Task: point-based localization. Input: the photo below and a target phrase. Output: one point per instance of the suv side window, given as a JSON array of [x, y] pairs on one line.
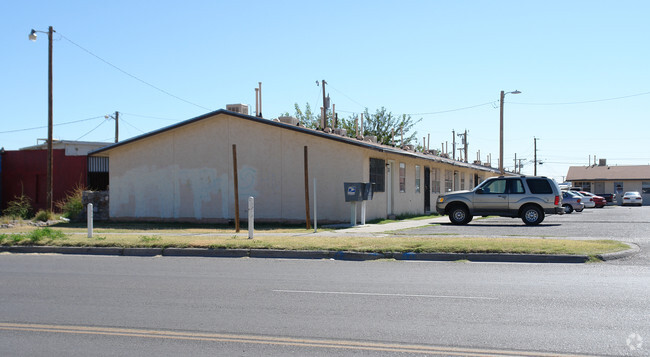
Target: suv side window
[[539, 186], [495, 186], [516, 186]]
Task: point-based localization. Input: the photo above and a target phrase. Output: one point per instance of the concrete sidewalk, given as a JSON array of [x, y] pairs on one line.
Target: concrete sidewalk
[[393, 226]]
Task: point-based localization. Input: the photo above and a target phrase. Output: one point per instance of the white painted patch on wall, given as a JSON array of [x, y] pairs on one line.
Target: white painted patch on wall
[[150, 191]]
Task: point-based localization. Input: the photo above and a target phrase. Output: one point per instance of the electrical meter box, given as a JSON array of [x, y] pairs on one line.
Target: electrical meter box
[[353, 191]]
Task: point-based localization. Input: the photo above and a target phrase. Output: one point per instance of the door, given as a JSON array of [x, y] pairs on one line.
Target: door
[[427, 190], [492, 198], [389, 187]]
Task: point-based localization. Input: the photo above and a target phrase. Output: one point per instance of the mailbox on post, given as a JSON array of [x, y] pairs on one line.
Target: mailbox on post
[[368, 189], [353, 191]]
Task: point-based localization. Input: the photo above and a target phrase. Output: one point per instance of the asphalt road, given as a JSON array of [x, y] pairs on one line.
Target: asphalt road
[[628, 224], [56, 305]]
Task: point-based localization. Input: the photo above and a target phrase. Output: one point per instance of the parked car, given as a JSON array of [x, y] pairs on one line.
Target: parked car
[[525, 197], [588, 201], [609, 197], [632, 198], [572, 202], [599, 201]]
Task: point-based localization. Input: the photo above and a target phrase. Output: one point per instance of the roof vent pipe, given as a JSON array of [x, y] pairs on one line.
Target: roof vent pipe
[[361, 127], [260, 112], [257, 102], [356, 127], [333, 116]]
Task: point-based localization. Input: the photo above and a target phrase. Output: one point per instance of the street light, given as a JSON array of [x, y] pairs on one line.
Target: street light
[[50, 165], [503, 94]]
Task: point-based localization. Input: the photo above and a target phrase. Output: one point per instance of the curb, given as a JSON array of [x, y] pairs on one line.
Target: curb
[[316, 254], [634, 249]]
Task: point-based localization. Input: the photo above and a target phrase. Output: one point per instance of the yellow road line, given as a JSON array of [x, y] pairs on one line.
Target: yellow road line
[[270, 340]]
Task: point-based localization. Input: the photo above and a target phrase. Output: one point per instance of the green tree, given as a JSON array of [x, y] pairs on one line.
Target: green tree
[[307, 117], [382, 124]]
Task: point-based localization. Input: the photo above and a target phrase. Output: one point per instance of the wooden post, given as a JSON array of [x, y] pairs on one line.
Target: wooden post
[[235, 179], [307, 218]]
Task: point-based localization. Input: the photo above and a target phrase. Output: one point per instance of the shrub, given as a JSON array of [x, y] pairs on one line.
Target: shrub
[[20, 207], [71, 206], [41, 233], [44, 216]]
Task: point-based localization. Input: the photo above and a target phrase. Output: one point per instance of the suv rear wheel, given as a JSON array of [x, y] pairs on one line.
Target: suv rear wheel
[[459, 215], [532, 215]]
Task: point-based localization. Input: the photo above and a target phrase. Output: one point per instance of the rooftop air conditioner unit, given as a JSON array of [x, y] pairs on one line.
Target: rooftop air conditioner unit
[[238, 108], [288, 120]]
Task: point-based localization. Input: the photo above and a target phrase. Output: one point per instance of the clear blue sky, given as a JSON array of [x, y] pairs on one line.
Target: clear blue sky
[[408, 56]]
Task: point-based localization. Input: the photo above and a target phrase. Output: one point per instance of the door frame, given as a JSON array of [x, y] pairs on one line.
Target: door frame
[[390, 169]]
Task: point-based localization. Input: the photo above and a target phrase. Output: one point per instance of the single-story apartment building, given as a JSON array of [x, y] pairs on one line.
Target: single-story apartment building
[[185, 172], [604, 179]]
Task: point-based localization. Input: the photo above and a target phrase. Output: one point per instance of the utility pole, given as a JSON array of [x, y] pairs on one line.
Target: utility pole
[[465, 147], [453, 145], [117, 126], [535, 158], [324, 118], [50, 121], [520, 160], [515, 170]]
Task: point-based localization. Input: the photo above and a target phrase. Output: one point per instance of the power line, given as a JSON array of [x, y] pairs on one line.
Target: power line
[[347, 96], [586, 101], [132, 76], [45, 126], [452, 110], [434, 113], [100, 124], [129, 124], [149, 117]]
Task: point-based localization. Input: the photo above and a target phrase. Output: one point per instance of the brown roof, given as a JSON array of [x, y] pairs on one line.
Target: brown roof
[[586, 173]]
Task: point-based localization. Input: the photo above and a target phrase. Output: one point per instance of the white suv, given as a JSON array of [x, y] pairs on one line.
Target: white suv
[[525, 197]]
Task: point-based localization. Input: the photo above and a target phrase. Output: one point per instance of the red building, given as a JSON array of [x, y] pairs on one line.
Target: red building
[[25, 171]]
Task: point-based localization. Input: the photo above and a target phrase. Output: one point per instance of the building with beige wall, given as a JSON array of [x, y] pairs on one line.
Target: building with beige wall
[[185, 172], [604, 179]]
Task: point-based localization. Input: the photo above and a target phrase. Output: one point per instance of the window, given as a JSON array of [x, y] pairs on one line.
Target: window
[[462, 180], [377, 174], [538, 186], [402, 177], [449, 180], [495, 186], [417, 179], [435, 180], [645, 187], [584, 185], [516, 186]]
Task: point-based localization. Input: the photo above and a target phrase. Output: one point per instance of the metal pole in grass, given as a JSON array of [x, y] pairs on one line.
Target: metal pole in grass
[[90, 220], [315, 211], [251, 216]]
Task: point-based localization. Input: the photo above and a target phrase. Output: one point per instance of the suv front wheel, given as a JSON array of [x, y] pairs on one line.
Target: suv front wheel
[[459, 215], [532, 215]]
